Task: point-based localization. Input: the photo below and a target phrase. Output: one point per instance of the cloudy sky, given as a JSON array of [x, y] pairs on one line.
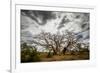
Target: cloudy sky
[[34, 21]]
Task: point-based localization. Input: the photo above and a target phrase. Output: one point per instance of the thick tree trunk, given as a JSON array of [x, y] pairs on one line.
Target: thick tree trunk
[[65, 48], [54, 52]]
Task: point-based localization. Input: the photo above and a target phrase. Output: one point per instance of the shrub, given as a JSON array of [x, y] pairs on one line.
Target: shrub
[[29, 55]]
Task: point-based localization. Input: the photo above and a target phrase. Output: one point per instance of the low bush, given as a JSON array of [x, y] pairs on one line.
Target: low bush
[[29, 56]]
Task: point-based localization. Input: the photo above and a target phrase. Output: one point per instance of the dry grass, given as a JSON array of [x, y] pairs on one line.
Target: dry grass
[[43, 57], [67, 56]]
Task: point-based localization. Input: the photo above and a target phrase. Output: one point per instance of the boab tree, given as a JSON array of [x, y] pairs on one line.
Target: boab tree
[[52, 42], [55, 42]]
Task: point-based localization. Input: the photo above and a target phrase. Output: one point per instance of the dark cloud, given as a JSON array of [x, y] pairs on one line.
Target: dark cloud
[[40, 17], [77, 16], [87, 17], [84, 25], [24, 22], [60, 26], [24, 26], [87, 37], [79, 36], [64, 21], [82, 36], [26, 36]]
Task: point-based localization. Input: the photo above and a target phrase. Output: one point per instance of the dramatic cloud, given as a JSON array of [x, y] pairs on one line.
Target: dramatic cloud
[[40, 17], [34, 21]]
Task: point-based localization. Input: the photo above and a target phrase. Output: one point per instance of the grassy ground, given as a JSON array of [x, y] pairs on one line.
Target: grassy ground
[[43, 57], [67, 56]]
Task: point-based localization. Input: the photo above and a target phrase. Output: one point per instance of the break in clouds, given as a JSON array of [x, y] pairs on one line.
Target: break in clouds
[[34, 22]]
